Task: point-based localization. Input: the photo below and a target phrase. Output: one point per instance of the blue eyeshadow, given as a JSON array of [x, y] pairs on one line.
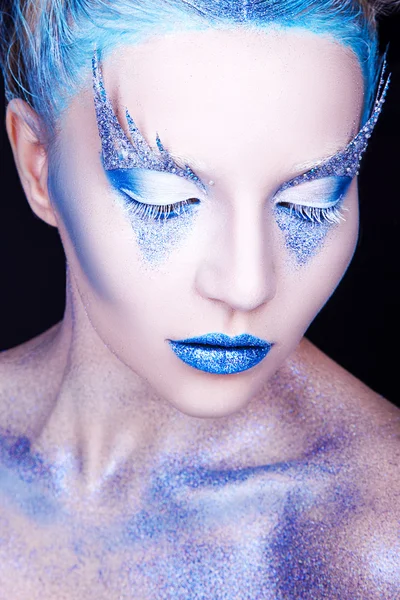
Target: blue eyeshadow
[[125, 178], [316, 192]]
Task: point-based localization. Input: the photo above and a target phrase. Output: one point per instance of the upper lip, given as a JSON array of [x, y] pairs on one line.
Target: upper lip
[[244, 340]]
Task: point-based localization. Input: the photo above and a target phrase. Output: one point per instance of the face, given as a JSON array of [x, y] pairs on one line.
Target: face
[[233, 242]]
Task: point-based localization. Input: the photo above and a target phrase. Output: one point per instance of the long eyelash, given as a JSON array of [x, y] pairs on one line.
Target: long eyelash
[[158, 212], [331, 215]]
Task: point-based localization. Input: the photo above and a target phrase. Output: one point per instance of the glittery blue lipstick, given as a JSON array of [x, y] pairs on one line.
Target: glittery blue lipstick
[[220, 354]]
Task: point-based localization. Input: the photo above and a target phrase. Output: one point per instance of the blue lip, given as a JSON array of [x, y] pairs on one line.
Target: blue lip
[[220, 354]]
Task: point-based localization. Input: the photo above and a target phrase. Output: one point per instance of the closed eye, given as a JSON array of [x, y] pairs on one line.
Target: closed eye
[[158, 212], [172, 196], [319, 201], [331, 215]]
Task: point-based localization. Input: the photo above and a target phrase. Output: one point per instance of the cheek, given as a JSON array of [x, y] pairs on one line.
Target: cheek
[[68, 202], [113, 260], [97, 241]]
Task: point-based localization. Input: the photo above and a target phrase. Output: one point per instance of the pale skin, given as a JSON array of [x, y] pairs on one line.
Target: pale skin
[[105, 402]]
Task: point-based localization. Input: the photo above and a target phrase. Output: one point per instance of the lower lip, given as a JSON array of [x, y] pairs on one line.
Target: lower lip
[[218, 359]]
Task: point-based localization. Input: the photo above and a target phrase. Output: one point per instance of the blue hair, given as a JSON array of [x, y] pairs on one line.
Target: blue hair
[[47, 45]]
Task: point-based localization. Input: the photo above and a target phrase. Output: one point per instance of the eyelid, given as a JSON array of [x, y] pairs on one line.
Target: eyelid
[[170, 200], [334, 188], [313, 204], [323, 170], [153, 187]]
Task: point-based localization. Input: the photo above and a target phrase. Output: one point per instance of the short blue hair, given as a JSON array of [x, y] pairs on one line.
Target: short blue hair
[[47, 45]]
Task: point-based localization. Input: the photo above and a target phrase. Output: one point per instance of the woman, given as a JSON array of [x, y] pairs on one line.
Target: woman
[[174, 436]]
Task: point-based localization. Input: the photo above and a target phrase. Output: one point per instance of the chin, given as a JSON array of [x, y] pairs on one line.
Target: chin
[[212, 408], [211, 396]]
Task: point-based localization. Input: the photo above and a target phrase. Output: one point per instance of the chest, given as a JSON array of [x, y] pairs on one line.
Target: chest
[[237, 545]]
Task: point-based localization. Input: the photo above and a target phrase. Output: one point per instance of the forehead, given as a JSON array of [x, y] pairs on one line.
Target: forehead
[[214, 95]]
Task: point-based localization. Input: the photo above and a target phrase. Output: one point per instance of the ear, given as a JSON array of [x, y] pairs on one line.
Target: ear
[[30, 155]]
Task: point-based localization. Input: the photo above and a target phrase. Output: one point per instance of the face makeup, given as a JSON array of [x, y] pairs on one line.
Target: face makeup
[[304, 218], [157, 226], [220, 354], [233, 272]]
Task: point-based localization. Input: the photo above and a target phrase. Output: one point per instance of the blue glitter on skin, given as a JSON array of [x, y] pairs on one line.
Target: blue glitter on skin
[[16, 453], [20, 467], [229, 533], [269, 531], [157, 239], [221, 355], [298, 551], [168, 513]]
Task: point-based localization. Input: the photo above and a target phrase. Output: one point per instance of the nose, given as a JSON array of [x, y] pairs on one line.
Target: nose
[[237, 267]]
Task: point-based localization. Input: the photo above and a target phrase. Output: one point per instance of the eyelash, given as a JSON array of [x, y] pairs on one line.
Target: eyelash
[[159, 212], [331, 215]]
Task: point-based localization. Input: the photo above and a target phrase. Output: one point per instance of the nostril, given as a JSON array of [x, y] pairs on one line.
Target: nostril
[[244, 291], [241, 272]]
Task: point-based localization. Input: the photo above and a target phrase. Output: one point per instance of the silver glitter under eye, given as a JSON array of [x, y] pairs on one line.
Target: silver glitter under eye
[[303, 239]]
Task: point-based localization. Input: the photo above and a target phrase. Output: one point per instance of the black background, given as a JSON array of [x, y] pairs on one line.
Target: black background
[[359, 325]]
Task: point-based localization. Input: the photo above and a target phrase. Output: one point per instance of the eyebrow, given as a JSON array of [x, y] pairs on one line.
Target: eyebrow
[[120, 152], [346, 162]]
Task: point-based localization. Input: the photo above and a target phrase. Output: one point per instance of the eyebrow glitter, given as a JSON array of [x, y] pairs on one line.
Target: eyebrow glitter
[[157, 239], [120, 152], [346, 163]]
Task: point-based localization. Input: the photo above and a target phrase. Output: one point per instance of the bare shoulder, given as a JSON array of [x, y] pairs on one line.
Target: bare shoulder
[[323, 376], [357, 439], [25, 381], [370, 423]]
